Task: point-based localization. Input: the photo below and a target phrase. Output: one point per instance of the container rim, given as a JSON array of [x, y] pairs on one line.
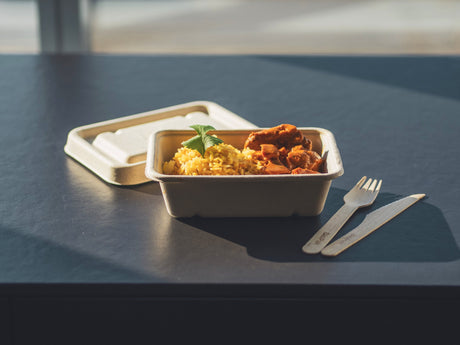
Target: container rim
[[153, 174]]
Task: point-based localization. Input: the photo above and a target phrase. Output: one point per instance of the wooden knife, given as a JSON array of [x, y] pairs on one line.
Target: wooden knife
[[371, 222]]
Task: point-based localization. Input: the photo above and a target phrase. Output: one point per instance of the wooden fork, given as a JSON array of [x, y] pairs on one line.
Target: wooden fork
[[357, 197]]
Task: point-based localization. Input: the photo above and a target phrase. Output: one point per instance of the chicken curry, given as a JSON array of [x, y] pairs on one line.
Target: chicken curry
[[284, 150]]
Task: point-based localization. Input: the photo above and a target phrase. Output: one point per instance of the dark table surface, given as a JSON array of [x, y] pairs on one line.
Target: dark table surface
[[65, 232]]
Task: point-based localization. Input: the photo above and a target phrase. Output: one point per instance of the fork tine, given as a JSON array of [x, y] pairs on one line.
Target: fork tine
[[378, 187], [372, 187], [360, 183], [368, 183]]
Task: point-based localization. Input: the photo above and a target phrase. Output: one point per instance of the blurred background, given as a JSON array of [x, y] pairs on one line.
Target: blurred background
[[230, 26]]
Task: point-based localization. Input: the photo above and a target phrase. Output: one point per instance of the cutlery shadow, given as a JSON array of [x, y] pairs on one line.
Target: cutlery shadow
[[419, 234]]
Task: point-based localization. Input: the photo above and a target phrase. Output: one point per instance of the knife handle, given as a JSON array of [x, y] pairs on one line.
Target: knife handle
[[346, 241], [324, 235]]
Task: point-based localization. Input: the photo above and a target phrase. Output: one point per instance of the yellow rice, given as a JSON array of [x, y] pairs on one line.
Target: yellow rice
[[222, 159]]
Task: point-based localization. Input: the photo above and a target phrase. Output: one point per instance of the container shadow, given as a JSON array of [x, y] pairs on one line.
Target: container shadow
[[420, 234]]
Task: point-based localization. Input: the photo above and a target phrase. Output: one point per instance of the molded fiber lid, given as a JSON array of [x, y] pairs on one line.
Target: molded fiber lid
[[116, 150]]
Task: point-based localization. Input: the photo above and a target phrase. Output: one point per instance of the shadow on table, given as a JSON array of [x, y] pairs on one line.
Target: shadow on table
[[420, 75], [28, 258], [420, 234]]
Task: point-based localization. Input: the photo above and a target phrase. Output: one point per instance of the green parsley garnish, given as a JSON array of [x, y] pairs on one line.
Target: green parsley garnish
[[202, 141]]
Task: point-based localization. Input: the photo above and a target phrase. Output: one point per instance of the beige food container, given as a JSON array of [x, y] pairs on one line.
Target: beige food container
[[242, 196]]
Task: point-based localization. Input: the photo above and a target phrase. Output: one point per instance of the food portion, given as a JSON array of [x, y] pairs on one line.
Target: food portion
[[220, 159], [279, 150], [284, 150]]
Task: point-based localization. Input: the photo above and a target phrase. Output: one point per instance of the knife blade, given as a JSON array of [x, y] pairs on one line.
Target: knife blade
[[371, 222]]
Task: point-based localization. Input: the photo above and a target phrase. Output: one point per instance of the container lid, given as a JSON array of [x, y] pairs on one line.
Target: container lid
[[116, 150]]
